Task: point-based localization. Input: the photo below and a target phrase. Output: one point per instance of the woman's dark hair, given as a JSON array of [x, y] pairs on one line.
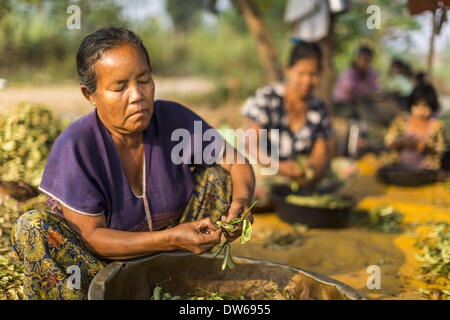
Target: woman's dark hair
[[94, 45], [361, 50], [365, 50], [424, 91], [403, 67], [305, 50]]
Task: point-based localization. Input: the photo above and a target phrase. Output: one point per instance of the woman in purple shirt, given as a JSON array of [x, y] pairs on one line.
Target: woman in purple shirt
[[359, 80], [116, 181]]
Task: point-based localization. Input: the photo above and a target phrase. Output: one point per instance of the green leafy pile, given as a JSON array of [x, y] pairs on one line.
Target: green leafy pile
[[435, 248], [281, 239], [231, 226], [318, 201], [11, 280], [384, 218], [10, 210], [11, 272], [159, 294], [27, 133], [202, 294]]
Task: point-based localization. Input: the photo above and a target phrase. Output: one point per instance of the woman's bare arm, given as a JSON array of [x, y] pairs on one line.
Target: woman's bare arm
[[114, 244], [319, 159]]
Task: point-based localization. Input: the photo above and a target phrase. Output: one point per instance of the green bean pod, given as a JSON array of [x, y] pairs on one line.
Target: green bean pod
[[157, 293], [216, 253]]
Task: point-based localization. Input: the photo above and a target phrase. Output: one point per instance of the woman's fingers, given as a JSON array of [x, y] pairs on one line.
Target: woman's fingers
[[250, 218], [198, 236], [236, 209], [209, 234], [206, 224]]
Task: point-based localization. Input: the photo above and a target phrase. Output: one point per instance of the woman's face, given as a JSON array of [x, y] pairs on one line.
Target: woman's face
[[303, 77], [125, 90], [363, 61], [421, 109]]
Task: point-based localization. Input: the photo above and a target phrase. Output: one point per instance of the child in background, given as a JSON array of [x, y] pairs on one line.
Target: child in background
[[416, 139]]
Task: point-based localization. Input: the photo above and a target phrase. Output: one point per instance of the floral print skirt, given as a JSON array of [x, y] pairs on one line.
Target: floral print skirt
[[57, 264]]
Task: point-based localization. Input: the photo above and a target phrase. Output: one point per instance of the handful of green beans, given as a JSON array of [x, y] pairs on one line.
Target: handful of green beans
[[435, 258], [158, 294], [232, 227], [303, 163]]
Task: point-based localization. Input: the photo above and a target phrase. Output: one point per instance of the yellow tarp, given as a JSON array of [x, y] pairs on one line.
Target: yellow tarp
[[345, 254]]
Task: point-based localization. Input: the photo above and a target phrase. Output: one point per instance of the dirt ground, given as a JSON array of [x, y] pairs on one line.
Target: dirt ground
[[67, 100], [343, 254]]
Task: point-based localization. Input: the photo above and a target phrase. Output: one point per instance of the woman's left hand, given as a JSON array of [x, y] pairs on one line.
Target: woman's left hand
[[237, 209]]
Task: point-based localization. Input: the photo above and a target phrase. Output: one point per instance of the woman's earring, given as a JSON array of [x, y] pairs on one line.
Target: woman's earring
[[93, 103]]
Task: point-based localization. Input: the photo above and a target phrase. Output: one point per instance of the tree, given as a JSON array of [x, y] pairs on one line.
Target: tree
[[184, 14], [439, 18], [266, 48]]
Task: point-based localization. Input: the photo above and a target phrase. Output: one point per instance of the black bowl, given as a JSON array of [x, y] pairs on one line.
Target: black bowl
[[313, 217], [407, 177]]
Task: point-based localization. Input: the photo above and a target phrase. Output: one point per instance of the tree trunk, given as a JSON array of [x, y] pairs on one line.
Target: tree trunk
[[266, 47], [431, 49], [324, 89]]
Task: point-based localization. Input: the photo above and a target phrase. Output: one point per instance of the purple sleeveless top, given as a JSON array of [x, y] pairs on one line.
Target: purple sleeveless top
[[84, 173]]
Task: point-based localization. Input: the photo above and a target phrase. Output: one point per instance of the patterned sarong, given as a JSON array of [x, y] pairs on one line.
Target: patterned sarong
[[52, 252]]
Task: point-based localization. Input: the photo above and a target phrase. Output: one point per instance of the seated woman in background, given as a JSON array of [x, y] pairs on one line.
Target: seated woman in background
[[303, 121], [354, 92], [357, 82], [416, 139]]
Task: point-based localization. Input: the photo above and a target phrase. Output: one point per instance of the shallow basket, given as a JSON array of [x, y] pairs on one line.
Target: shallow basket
[[180, 273], [408, 177], [313, 217]]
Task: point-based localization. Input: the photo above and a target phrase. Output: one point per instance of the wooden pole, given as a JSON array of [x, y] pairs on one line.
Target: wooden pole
[[325, 88], [431, 49]]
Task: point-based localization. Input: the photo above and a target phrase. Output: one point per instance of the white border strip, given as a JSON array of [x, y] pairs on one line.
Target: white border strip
[[144, 196], [77, 211]]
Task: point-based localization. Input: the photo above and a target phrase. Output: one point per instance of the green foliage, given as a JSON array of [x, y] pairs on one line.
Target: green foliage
[[36, 46], [209, 53], [11, 279], [159, 294], [351, 31], [185, 14], [436, 251], [385, 218], [26, 135], [435, 257], [11, 271], [329, 201], [34, 39]]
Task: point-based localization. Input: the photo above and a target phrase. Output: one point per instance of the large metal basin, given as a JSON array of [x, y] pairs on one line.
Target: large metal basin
[[180, 273]]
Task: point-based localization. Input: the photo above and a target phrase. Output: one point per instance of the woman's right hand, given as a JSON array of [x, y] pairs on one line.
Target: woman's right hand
[[196, 236], [291, 169]]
